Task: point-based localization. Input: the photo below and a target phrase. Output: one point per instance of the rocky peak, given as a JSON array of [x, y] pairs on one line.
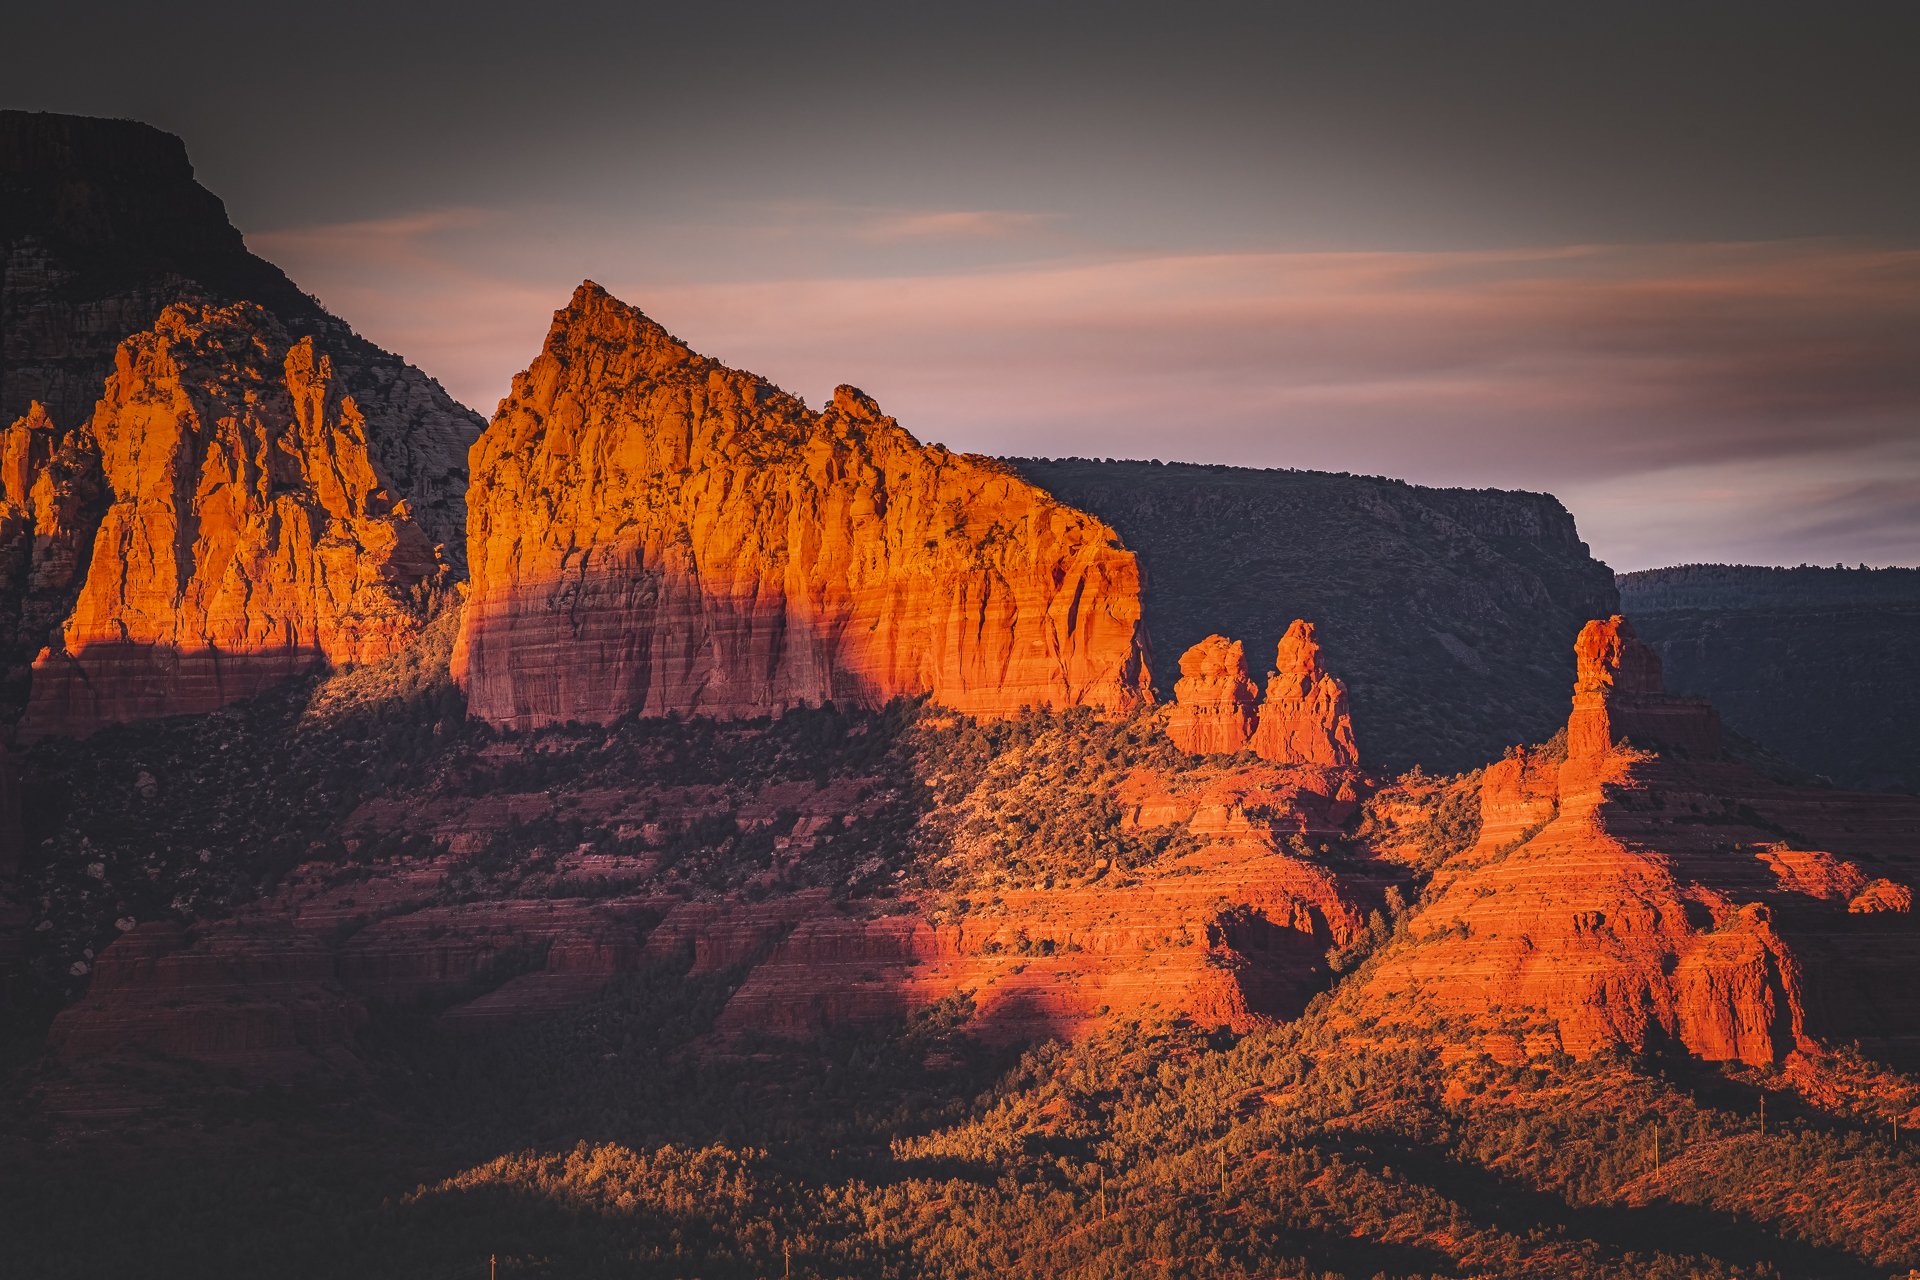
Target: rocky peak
[[51, 500], [1619, 694], [1609, 656], [102, 227], [250, 534], [1216, 704], [651, 530], [1302, 719]]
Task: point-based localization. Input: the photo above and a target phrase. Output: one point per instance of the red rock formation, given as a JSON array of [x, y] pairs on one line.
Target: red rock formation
[[1215, 703], [250, 535], [1618, 897], [256, 997], [651, 531], [102, 227], [1303, 719], [51, 499], [1618, 694]]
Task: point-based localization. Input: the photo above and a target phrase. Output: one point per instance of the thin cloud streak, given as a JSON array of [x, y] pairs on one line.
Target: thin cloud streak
[[1617, 376]]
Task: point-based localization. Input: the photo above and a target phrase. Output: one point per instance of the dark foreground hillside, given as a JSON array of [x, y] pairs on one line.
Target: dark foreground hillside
[[1799, 660], [1451, 610]]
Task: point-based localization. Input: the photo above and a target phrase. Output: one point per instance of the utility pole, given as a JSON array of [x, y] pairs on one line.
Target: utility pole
[[493, 1266], [786, 1257]]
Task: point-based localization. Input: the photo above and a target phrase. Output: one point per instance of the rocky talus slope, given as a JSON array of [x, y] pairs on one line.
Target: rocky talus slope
[[650, 531], [1814, 664], [1450, 608], [248, 535], [1302, 720], [1632, 889], [102, 227]]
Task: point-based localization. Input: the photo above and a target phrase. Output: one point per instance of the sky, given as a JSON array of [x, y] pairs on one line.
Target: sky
[[1660, 260]]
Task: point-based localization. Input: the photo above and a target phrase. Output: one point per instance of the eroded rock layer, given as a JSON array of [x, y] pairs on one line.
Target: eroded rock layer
[[249, 534], [1650, 899], [651, 531]]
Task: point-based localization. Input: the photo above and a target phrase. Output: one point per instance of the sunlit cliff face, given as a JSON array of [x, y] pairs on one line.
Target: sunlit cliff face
[[247, 533], [650, 531]]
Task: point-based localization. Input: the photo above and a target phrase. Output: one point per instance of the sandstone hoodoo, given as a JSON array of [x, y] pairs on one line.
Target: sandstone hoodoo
[[651, 531], [1302, 720], [1215, 703], [1638, 891], [250, 533], [1619, 694]]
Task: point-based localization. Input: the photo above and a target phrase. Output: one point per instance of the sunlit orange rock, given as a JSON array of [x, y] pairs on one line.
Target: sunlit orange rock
[[1659, 899], [52, 495], [651, 531], [1303, 719], [249, 535], [1215, 703], [1619, 694]]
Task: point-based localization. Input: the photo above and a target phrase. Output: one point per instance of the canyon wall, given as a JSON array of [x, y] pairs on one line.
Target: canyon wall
[[248, 535], [1803, 661], [650, 531]]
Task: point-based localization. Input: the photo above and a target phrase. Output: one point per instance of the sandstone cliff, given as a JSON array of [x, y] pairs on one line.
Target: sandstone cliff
[[651, 531], [250, 533], [102, 227], [1638, 892], [1302, 720]]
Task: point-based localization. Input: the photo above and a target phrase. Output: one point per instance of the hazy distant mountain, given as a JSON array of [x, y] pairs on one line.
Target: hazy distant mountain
[[1820, 665], [1450, 612]]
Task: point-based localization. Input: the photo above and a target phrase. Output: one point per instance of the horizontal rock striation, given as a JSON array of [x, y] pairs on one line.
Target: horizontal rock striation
[[1617, 896], [650, 531], [249, 535]]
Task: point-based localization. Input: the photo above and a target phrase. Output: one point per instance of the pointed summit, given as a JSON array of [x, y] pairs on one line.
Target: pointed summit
[[653, 531], [1303, 719], [1619, 693]]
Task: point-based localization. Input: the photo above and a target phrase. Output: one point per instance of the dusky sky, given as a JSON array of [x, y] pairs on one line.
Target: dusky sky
[[1661, 260]]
